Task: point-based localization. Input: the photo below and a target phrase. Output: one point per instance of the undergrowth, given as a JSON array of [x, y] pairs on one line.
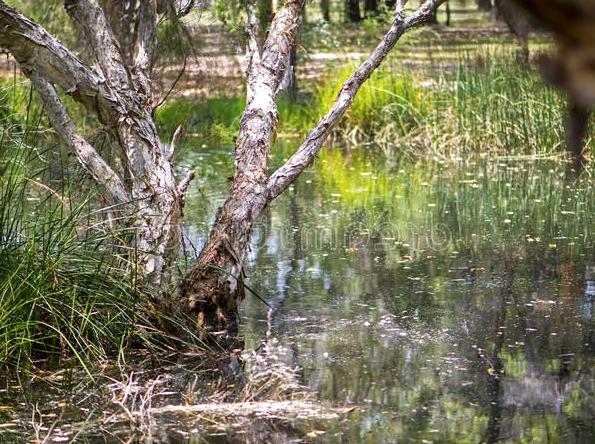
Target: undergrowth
[[64, 293], [486, 103]]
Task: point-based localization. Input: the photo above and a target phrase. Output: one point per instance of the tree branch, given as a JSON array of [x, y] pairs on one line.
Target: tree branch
[[253, 54], [89, 158], [147, 31], [96, 28], [306, 153], [280, 40], [260, 119], [38, 51]]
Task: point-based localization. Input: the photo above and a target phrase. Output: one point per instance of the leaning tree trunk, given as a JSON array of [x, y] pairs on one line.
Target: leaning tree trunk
[[213, 289]]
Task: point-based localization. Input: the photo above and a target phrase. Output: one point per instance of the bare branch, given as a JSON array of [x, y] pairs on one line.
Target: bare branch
[[400, 9], [174, 140], [306, 153], [38, 51], [173, 84], [183, 187], [89, 158], [96, 28]]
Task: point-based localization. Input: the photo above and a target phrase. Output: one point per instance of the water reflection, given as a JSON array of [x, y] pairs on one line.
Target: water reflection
[[446, 303], [451, 302]]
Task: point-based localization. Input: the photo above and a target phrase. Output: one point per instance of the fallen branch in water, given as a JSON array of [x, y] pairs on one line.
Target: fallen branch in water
[[262, 409]]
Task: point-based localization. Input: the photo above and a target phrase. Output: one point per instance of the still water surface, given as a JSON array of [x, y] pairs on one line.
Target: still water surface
[[445, 302], [453, 302]]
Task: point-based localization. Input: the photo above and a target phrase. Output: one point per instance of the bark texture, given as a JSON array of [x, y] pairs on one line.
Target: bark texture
[[213, 289]]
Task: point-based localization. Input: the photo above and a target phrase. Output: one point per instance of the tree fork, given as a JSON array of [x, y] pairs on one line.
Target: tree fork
[[213, 289]]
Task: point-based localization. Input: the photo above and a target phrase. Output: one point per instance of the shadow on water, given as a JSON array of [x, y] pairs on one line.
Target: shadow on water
[[441, 302]]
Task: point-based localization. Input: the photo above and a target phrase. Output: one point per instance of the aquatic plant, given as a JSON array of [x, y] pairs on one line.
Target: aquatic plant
[[62, 291], [481, 102]]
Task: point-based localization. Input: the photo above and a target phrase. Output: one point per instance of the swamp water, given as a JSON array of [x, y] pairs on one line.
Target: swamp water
[[437, 302]]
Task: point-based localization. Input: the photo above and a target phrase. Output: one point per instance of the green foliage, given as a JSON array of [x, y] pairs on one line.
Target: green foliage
[[217, 118], [60, 295], [385, 99], [51, 15], [481, 105], [172, 41], [231, 13], [485, 105]]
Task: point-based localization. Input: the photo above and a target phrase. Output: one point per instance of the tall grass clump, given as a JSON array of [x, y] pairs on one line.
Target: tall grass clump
[[387, 102], [63, 292], [496, 104], [483, 104]]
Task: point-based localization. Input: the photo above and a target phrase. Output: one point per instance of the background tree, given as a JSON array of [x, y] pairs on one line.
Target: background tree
[[352, 11], [325, 10], [484, 5], [370, 8]]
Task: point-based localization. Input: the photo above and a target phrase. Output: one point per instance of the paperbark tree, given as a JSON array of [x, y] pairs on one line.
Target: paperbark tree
[[144, 192], [118, 91]]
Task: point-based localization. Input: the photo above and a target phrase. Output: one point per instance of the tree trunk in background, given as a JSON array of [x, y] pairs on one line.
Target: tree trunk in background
[[293, 85], [391, 4], [517, 21], [484, 5], [265, 15], [352, 11], [325, 9], [434, 19], [371, 8]]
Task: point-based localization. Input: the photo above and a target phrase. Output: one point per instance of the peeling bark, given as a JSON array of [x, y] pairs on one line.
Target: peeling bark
[[213, 287], [120, 94]]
